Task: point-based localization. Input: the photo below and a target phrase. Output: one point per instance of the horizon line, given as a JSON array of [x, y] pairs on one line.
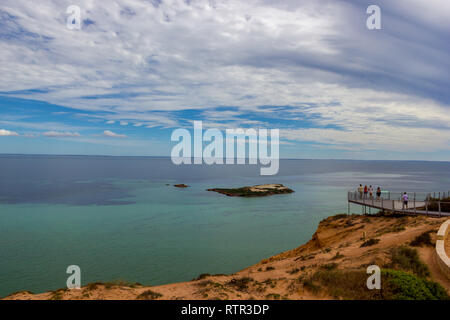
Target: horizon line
[[158, 156]]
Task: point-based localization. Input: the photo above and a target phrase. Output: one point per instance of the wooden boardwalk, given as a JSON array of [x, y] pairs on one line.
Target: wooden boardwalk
[[419, 204]]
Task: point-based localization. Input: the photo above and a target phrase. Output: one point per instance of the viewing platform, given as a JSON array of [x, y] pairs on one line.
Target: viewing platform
[[432, 204]]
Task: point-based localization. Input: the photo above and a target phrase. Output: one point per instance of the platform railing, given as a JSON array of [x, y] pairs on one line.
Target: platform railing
[[422, 202]]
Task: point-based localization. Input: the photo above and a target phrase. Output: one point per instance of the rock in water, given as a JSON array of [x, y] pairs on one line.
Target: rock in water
[[261, 190]]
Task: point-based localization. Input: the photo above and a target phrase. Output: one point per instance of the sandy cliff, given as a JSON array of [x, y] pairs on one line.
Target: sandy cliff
[[331, 265]]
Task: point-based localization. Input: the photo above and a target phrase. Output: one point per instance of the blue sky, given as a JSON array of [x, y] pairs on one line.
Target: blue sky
[[137, 70]]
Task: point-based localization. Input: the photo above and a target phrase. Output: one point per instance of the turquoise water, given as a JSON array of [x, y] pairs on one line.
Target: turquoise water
[[152, 233]]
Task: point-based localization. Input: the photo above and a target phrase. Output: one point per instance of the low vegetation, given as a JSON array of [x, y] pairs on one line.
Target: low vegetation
[[149, 295], [422, 240], [57, 294], [273, 296], [329, 266], [340, 284], [240, 284], [369, 243], [395, 285], [400, 285], [407, 259], [293, 271]]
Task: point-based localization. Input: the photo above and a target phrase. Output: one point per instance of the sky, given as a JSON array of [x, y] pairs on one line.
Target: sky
[[137, 70]]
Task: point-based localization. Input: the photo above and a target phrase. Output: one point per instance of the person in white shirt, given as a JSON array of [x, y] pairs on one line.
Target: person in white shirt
[[405, 199]]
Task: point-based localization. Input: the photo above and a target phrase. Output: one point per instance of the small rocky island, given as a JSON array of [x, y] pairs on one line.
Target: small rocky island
[[261, 190], [181, 185]]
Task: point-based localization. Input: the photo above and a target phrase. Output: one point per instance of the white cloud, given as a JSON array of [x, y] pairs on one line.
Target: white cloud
[[4, 133], [113, 135], [315, 56], [42, 126], [59, 134]]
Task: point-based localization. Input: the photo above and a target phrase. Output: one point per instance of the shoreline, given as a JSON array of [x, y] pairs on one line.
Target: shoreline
[[336, 249]]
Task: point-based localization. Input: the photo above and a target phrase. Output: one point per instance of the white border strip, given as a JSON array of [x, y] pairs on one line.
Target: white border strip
[[442, 259]]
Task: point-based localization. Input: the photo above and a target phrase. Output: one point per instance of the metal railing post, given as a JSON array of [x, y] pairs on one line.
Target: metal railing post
[[439, 204], [415, 212]]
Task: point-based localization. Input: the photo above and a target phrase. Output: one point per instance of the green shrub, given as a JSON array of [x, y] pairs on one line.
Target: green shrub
[[274, 296], [18, 292], [240, 284], [399, 285], [309, 285], [395, 285], [293, 271], [369, 243], [422, 240], [91, 286], [341, 284], [58, 294], [329, 266], [149, 295], [407, 259]]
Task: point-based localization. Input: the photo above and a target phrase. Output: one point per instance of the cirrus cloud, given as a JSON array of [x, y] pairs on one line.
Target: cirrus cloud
[[59, 134]]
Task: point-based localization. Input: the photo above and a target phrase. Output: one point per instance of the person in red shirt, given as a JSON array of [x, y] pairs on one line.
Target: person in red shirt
[[365, 191]]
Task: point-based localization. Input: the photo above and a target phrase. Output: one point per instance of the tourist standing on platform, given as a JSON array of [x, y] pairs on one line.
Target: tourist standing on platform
[[378, 193], [360, 190], [371, 192], [365, 191], [405, 199]]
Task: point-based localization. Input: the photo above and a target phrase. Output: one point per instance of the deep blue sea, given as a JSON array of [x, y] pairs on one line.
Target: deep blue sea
[[120, 218]]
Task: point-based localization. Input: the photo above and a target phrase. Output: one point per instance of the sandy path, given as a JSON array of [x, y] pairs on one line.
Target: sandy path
[[428, 256]]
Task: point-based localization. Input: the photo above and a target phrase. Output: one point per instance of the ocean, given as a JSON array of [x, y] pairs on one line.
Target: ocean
[[120, 218]]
